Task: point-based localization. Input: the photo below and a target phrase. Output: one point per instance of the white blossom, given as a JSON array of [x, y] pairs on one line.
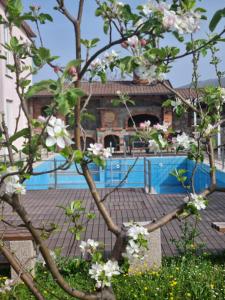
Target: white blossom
[[197, 201], [146, 72], [57, 133], [102, 272], [208, 130], [169, 19], [146, 125], [133, 41], [176, 103], [135, 230], [163, 127], [97, 64], [7, 286], [183, 140], [111, 57], [89, 247], [98, 150], [134, 248], [153, 145], [162, 142], [12, 183]]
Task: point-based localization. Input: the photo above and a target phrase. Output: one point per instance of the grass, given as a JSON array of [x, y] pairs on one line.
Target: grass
[[183, 278]]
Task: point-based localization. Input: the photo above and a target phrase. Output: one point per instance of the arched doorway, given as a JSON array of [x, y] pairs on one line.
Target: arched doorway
[[113, 141], [141, 118]]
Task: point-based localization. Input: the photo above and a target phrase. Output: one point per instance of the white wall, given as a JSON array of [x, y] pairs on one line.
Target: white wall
[[7, 83]]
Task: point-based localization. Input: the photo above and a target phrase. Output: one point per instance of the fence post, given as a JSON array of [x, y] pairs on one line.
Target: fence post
[[149, 177], [55, 173], [222, 157], [145, 175]]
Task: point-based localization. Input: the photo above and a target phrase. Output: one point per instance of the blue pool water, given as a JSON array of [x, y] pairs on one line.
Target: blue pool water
[[153, 172]]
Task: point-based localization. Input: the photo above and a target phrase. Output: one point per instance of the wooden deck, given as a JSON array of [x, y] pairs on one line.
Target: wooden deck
[[124, 205]]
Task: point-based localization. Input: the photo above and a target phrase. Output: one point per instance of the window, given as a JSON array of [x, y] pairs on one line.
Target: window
[[6, 34]]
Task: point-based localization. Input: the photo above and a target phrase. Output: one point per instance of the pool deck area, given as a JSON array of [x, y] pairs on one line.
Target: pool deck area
[[124, 205]]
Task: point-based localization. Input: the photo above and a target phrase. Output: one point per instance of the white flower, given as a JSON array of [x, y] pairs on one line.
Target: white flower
[[132, 249], [133, 41], [41, 119], [146, 125], [169, 19], [175, 104], [148, 9], [90, 246], [146, 72], [7, 285], [98, 150], [57, 133], [106, 153], [163, 127], [97, 63], [111, 57], [102, 273], [183, 140], [180, 21], [153, 145], [197, 201], [208, 130], [162, 141], [135, 230], [12, 183]]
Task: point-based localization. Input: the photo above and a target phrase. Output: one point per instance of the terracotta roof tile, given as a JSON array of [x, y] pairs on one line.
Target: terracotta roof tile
[[187, 93], [111, 87]]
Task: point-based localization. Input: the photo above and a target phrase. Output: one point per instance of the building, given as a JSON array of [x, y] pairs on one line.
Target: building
[[9, 100], [113, 125]]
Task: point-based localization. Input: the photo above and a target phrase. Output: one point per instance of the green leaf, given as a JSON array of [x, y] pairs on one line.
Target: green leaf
[[216, 19], [44, 17], [24, 83], [38, 87], [44, 53], [22, 133], [106, 27], [14, 7], [78, 156]]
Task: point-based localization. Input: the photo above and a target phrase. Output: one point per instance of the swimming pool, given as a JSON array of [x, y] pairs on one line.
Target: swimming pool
[[152, 173]]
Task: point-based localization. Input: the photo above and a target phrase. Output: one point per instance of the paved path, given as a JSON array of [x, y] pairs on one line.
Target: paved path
[[124, 205]]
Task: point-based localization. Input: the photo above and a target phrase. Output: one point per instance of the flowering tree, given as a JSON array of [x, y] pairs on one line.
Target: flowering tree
[[139, 32]]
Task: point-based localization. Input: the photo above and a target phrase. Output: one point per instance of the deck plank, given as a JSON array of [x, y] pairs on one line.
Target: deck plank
[[124, 205]]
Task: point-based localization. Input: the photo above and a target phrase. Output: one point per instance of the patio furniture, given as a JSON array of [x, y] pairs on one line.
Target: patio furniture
[[219, 226]]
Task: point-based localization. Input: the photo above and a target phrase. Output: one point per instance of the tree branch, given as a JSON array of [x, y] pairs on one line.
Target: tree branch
[[26, 277]]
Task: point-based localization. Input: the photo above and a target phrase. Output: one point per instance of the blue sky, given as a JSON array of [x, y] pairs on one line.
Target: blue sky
[[59, 37]]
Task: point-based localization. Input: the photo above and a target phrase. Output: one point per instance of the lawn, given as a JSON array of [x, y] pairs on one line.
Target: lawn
[[187, 277]]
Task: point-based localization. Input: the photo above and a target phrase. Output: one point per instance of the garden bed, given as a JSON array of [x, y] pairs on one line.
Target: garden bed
[[179, 278]]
